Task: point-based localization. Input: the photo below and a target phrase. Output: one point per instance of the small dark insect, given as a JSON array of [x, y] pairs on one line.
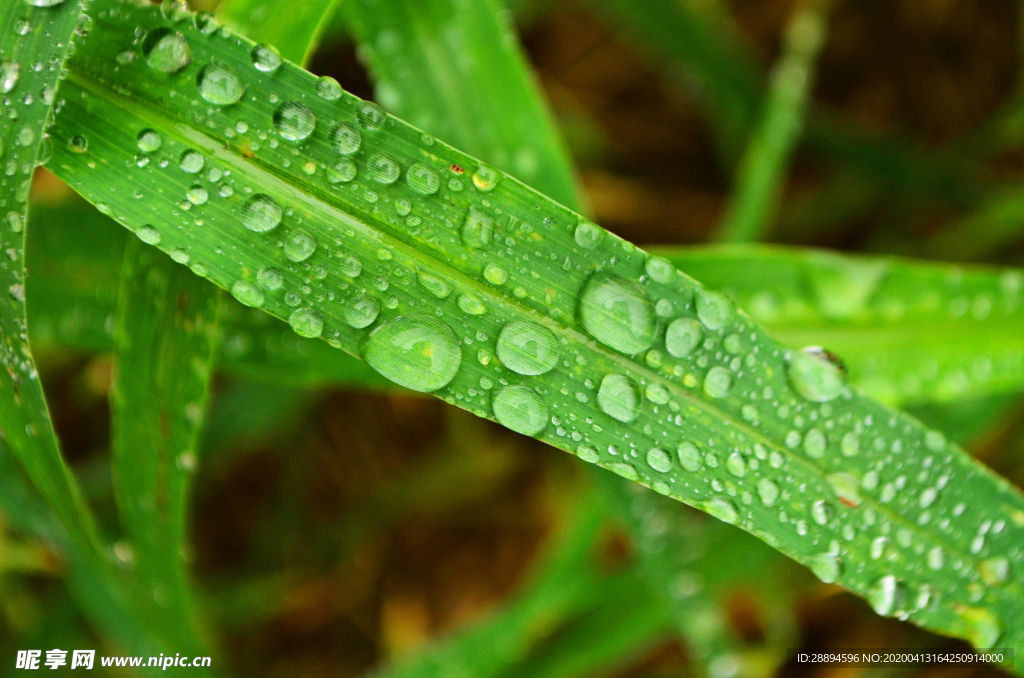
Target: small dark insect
[[458, 169], [827, 355]]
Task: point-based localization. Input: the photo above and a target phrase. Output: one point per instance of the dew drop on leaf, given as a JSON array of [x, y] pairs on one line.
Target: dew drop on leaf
[[247, 293], [265, 58], [362, 311], [270, 278], [588, 234], [723, 509], [294, 121], [191, 162], [423, 179], [659, 460], [328, 89], [383, 169], [419, 352], [343, 172], [815, 378], [149, 141], [767, 491], [149, 235], [486, 178], [477, 229], [718, 382], [527, 348], [689, 456], [9, 72], [682, 336], [78, 144], [617, 313], [306, 322], [619, 397], [826, 567], [346, 139], [166, 50], [261, 213], [521, 409], [299, 245], [660, 270], [714, 309], [371, 116]]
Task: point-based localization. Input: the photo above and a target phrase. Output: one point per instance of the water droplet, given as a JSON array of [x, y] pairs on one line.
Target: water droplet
[[247, 293], [261, 213], [736, 464], [659, 460], [682, 336], [588, 234], [527, 348], [78, 144], [383, 169], [768, 491], [928, 497], [418, 352], [270, 278], [617, 313], [936, 558], [371, 116], [657, 394], [350, 266], [587, 454], [689, 456], [219, 85], [265, 58], [994, 571], [495, 274], [306, 322], [815, 444], [850, 445], [660, 270], [619, 397], [346, 139], [714, 309], [826, 567], [477, 229], [423, 179], [471, 305], [191, 162], [434, 285], [718, 382], [149, 141], [166, 50], [362, 311], [520, 409], [149, 235], [627, 471], [299, 245], [981, 627], [197, 195], [723, 509], [294, 121], [814, 378], [887, 595], [328, 89], [846, 487], [821, 512], [9, 72], [486, 178], [343, 172]]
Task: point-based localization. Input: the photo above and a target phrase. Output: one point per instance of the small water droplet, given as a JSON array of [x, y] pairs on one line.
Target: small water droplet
[[383, 169], [247, 293], [149, 235], [659, 460], [619, 397], [723, 509], [887, 596], [718, 382], [994, 571], [826, 567], [486, 178], [261, 213], [527, 348], [767, 491], [714, 309], [477, 229], [423, 179], [78, 144], [343, 172], [192, 162], [328, 89], [521, 409], [495, 274], [270, 278], [660, 270], [362, 311], [588, 234], [815, 444], [149, 141], [439, 288], [197, 195], [306, 322], [471, 305], [689, 456], [9, 72], [736, 464], [265, 58], [371, 116], [346, 139], [299, 245], [682, 336]]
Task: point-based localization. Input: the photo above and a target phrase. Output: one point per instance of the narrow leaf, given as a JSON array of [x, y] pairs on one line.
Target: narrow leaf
[[293, 28], [477, 289]]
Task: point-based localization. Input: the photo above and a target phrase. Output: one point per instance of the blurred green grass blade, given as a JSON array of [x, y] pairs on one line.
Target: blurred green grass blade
[[164, 345], [728, 74], [764, 168], [293, 28], [996, 223], [908, 331], [31, 35], [737, 396], [435, 51]]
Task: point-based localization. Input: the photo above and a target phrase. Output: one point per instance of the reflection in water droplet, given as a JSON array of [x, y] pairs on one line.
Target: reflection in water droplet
[[247, 293], [527, 348], [149, 235], [520, 409], [383, 169], [371, 116], [887, 595], [713, 309], [306, 322], [588, 234], [659, 460], [299, 245], [265, 58], [617, 313], [682, 336], [328, 89], [270, 278], [718, 382], [346, 139], [768, 491], [362, 311], [619, 397], [294, 121], [689, 456], [723, 509], [192, 162], [149, 141], [660, 270], [486, 178], [434, 285], [219, 85], [423, 179], [418, 352], [78, 144]]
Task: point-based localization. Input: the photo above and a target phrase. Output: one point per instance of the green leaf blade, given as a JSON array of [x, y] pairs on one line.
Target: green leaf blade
[[827, 509]]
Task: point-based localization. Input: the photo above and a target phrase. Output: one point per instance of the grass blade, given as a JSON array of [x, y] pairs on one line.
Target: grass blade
[[761, 176], [446, 50], [294, 29], [756, 423], [909, 331], [165, 340]]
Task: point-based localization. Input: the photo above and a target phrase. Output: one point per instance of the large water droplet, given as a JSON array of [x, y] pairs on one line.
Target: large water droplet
[[714, 309], [328, 89], [423, 179], [166, 50], [149, 141], [617, 313], [527, 348], [520, 409], [588, 234], [265, 58], [191, 162], [346, 139], [689, 456], [261, 213], [826, 567], [383, 169], [219, 85], [619, 397], [659, 460], [768, 491], [306, 322], [362, 311], [814, 378], [371, 116], [887, 596], [299, 245], [418, 352], [247, 293], [9, 72], [294, 121], [723, 509], [718, 382], [682, 336]]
